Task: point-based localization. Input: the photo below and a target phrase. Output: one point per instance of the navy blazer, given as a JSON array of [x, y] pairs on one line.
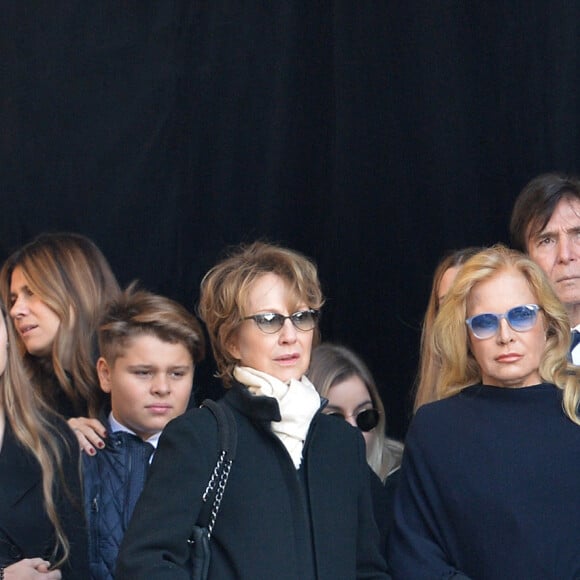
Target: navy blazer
[[25, 530]]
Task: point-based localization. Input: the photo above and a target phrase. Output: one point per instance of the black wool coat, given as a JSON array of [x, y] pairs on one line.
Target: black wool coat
[[25, 530], [275, 521]]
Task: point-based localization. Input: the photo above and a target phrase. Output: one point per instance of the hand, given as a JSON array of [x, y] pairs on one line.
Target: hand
[[31, 569], [90, 433]]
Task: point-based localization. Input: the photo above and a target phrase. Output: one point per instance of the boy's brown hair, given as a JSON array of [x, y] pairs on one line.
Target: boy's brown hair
[[136, 312]]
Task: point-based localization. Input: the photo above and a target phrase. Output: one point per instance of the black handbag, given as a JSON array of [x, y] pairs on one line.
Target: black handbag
[[211, 500]]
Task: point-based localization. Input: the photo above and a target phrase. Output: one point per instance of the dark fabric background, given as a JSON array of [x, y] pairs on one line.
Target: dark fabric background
[[372, 136]]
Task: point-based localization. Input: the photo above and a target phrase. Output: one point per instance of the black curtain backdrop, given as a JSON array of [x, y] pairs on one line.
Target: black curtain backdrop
[[372, 136]]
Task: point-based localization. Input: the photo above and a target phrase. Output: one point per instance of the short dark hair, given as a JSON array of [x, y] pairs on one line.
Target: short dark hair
[[535, 205]]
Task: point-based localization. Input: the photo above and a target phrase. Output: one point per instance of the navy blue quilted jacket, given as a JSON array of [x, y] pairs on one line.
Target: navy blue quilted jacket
[[113, 481]]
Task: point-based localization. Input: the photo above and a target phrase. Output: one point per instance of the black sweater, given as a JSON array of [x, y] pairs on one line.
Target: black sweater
[[490, 486]]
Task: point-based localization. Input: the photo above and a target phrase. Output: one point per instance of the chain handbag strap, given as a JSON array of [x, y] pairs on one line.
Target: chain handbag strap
[[221, 472], [219, 494]]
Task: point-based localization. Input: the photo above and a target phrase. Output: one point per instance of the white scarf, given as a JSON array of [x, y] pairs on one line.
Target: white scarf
[[298, 402]]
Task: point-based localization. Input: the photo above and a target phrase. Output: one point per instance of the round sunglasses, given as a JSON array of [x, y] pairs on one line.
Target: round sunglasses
[[366, 420], [272, 322], [520, 318]]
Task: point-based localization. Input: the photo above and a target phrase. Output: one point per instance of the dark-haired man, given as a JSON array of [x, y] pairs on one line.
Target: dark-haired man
[[545, 223]]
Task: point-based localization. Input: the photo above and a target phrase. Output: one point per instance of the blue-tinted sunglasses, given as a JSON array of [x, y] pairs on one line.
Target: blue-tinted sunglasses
[[520, 318]]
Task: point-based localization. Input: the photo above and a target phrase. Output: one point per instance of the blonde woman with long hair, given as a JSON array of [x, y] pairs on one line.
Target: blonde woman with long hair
[[331, 366], [42, 529], [490, 479], [429, 363], [56, 288], [345, 381]]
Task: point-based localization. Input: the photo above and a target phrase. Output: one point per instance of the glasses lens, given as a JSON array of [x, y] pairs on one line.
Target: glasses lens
[[484, 325], [304, 320], [270, 322], [367, 419], [522, 317]]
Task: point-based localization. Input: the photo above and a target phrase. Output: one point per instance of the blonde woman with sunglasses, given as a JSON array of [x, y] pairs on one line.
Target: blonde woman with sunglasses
[[490, 479], [345, 381]]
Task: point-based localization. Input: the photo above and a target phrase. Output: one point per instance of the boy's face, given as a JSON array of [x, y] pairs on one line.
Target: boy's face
[[150, 383]]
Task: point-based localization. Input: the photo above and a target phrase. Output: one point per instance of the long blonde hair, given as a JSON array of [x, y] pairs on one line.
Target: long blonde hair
[[449, 339], [332, 364], [72, 277], [28, 418], [429, 364]]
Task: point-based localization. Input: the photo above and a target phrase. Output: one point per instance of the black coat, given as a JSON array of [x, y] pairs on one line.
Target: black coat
[[275, 521], [25, 530]]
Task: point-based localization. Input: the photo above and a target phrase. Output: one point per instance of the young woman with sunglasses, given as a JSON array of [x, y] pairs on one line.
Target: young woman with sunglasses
[[297, 502], [490, 479], [341, 377]]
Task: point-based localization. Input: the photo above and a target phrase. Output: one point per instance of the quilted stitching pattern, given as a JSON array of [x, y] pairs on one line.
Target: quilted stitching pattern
[[113, 481]]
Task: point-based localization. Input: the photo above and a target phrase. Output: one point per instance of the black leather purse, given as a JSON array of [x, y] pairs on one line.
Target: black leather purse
[[211, 500]]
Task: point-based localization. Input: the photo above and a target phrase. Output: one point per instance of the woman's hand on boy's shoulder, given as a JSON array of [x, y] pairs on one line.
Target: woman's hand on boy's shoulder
[[91, 433]]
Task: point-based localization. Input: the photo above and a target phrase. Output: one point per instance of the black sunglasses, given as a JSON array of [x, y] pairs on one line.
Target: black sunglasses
[[272, 322], [366, 420]]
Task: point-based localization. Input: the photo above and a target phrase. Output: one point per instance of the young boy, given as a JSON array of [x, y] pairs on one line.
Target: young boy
[[149, 347]]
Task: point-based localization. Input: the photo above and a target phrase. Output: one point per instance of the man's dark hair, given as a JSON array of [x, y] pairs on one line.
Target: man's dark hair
[[536, 203]]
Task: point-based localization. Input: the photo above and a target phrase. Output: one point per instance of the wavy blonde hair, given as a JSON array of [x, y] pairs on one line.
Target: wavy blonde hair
[[332, 364], [449, 339], [225, 289], [429, 363], [72, 277], [28, 417]]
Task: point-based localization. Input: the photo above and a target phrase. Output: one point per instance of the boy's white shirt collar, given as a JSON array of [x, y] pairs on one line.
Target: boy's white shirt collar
[[116, 426]]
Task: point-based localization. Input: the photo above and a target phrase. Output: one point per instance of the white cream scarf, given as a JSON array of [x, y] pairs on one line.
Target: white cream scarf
[[298, 402]]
